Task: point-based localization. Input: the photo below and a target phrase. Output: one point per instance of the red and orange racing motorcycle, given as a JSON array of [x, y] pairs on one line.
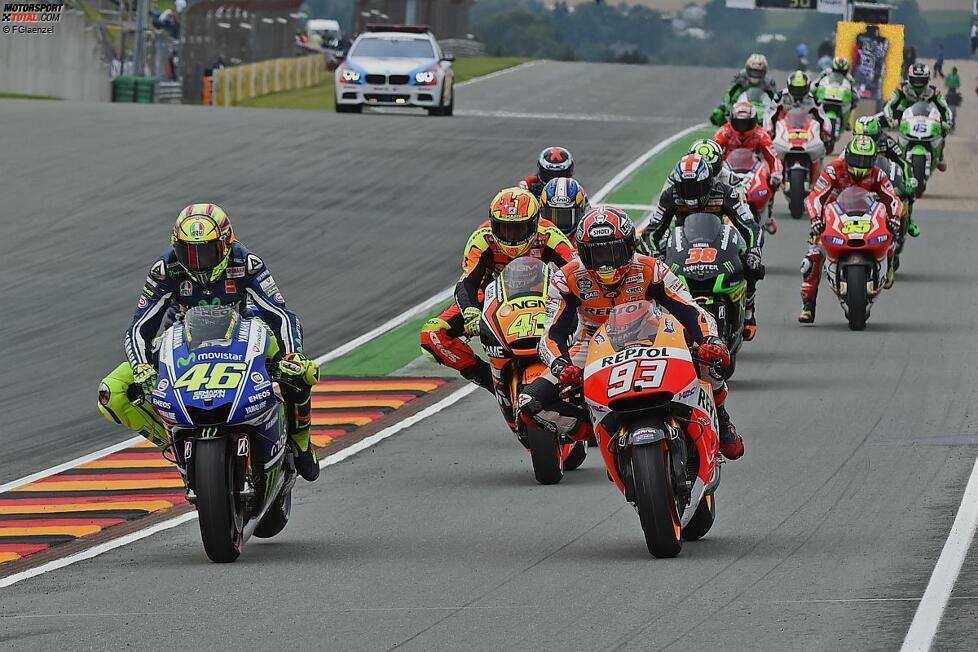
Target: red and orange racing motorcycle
[[513, 316], [656, 423]]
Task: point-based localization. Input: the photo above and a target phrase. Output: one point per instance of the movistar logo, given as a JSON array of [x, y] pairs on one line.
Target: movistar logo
[[183, 362]]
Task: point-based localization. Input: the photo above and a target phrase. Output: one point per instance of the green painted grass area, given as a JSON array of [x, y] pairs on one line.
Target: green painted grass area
[[321, 96], [401, 346], [22, 96], [644, 186], [382, 356]]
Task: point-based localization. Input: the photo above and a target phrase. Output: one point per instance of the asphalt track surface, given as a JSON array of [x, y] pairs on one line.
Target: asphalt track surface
[[858, 449]]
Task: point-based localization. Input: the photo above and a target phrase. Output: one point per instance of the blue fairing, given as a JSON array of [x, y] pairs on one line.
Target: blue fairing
[[221, 383]]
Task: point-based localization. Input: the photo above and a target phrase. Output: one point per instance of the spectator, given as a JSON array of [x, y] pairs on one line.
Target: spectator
[[909, 57], [939, 62], [802, 52], [180, 5], [974, 38], [827, 47], [953, 96]]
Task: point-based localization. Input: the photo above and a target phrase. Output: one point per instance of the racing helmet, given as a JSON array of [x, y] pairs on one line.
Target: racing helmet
[[514, 217], [554, 162], [799, 85], [743, 117], [606, 244], [860, 156], [563, 202], [202, 238], [868, 125], [840, 65], [711, 152], [756, 69], [918, 76], [692, 178]]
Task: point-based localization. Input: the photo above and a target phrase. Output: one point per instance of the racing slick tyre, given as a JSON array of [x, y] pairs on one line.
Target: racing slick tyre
[[796, 192], [576, 457], [654, 499], [918, 165], [277, 516], [545, 455], [349, 108], [219, 512], [703, 518], [856, 297]]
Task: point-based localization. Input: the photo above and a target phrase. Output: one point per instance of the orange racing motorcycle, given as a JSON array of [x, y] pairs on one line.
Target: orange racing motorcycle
[[656, 423], [513, 317]]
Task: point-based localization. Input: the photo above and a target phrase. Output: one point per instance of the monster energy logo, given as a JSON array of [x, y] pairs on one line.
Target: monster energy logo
[[729, 266]]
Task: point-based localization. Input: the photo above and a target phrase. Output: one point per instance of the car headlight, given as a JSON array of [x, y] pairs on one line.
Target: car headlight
[[350, 75], [426, 77]]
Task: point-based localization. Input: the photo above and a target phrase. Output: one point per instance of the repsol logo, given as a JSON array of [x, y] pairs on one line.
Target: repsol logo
[[635, 352], [220, 355], [705, 402]]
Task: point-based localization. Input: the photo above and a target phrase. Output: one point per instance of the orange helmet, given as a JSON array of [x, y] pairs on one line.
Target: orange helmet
[[514, 216]]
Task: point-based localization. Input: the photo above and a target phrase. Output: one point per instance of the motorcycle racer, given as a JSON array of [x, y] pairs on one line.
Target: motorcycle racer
[[206, 265], [692, 188], [857, 168], [712, 153], [798, 94], [753, 75], [514, 229], [917, 88], [552, 163], [841, 66], [564, 202], [609, 272], [890, 149]]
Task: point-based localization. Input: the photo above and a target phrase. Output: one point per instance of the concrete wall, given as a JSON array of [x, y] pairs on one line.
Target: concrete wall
[[66, 64]]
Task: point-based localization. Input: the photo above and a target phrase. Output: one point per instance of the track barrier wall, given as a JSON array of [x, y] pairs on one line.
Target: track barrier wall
[[229, 85]]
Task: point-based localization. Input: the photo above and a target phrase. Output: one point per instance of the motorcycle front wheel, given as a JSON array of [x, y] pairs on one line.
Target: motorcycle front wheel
[[796, 192], [219, 513], [857, 298], [654, 499]]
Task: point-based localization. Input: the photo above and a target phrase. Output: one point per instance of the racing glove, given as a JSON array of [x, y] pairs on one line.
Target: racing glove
[[754, 258], [775, 181], [472, 318], [144, 375], [713, 351], [719, 116], [296, 367], [817, 226], [894, 225], [567, 374]]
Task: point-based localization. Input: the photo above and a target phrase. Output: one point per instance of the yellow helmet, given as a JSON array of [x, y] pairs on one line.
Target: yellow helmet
[[202, 239], [514, 215]]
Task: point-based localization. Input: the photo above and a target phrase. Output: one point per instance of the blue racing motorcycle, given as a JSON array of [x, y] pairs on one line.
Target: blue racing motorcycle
[[228, 427]]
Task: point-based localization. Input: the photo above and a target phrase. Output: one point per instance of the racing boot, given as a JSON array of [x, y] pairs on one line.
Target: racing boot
[[912, 229], [771, 224], [731, 444], [807, 314], [306, 462], [750, 323], [480, 373], [892, 264]]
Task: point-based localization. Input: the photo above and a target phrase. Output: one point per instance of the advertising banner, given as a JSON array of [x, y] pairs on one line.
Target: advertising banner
[[876, 55]]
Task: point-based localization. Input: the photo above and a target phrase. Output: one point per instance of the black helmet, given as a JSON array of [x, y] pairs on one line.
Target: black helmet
[[555, 162], [692, 178], [918, 75], [799, 85]]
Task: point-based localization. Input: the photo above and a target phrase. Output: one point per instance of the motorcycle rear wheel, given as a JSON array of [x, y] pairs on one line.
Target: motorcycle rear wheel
[[576, 457], [796, 192], [703, 519], [218, 513], [545, 455], [856, 297], [654, 499], [918, 165]]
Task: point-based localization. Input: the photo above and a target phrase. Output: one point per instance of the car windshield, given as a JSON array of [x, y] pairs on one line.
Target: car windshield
[[632, 323], [525, 277], [385, 48], [855, 201], [210, 325], [741, 160], [798, 119], [701, 227]]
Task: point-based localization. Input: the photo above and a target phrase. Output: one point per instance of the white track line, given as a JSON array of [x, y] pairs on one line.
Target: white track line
[[339, 456], [335, 458], [499, 73], [926, 621]]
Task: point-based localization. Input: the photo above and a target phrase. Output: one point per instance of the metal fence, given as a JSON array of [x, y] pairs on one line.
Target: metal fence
[[218, 33]]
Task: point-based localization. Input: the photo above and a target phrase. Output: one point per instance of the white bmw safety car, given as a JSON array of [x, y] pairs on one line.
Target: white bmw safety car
[[396, 65]]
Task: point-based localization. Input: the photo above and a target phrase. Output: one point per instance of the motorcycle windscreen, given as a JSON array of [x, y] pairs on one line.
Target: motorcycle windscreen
[[210, 325], [632, 323], [798, 119], [919, 110], [701, 227], [741, 160], [855, 201], [525, 277]]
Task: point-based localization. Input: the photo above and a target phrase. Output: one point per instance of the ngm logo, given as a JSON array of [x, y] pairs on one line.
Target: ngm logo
[[31, 12]]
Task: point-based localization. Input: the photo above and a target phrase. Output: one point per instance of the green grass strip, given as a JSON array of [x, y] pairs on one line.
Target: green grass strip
[[22, 96], [381, 356], [321, 97]]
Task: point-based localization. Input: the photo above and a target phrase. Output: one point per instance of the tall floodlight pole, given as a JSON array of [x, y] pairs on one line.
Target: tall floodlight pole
[[137, 63]]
